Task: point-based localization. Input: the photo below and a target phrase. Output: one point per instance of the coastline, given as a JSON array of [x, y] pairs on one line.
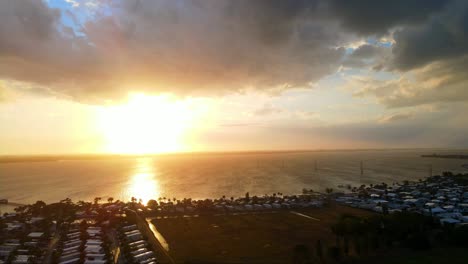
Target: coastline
[[98, 156]]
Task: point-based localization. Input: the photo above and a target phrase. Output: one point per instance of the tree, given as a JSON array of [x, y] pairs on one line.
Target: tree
[[38, 207], [97, 199], [66, 201], [110, 199], [152, 203]]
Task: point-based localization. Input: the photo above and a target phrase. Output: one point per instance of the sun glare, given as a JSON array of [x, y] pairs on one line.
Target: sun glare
[[143, 184], [146, 124]]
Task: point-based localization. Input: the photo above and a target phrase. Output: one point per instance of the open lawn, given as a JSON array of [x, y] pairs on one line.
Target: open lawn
[[431, 256], [264, 237]]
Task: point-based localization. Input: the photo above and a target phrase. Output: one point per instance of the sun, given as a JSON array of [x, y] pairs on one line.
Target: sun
[[145, 125]]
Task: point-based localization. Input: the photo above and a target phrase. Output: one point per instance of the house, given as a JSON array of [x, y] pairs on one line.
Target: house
[[71, 261], [144, 256], [21, 259], [72, 255], [129, 228], [449, 221]]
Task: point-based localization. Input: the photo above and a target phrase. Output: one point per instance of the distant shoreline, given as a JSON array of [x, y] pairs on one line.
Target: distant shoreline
[[63, 157], [448, 156]]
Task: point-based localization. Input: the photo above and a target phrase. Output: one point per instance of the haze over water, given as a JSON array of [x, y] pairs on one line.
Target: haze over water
[[212, 175]]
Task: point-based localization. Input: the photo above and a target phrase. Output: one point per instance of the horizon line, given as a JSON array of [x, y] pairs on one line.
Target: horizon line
[[258, 151]]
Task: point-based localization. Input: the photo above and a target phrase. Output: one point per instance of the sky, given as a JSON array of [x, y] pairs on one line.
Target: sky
[[151, 76]]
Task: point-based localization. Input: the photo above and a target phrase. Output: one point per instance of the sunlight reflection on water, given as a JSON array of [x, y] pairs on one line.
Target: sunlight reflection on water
[[213, 175], [144, 184]]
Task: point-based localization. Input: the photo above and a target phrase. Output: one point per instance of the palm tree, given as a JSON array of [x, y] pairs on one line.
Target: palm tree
[[110, 199], [152, 203], [66, 201]]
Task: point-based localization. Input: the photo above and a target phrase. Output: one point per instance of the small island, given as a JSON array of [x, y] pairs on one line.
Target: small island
[[446, 156]]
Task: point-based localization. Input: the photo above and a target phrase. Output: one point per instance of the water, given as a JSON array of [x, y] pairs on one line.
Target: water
[[212, 175]]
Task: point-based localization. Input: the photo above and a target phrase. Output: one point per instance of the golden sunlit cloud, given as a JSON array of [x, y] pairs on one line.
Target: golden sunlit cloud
[[146, 124]]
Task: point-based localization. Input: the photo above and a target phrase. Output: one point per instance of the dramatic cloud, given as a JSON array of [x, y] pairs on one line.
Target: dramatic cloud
[[431, 59], [377, 17], [168, 46], [444, 37], [212, 47]]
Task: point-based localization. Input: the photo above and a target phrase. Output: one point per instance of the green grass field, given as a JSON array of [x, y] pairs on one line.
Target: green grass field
[[249, 238]]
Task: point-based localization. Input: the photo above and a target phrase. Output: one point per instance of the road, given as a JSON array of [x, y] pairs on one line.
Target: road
[[144, 228]]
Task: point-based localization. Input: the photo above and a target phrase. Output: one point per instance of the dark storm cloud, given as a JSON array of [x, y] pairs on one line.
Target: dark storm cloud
[[184, 47], [368, 17], [272, 19], [23, 24], [444, 37], [210, 47], [431, 59]]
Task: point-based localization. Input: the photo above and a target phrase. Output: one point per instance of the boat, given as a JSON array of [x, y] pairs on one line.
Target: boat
[[3, 201]]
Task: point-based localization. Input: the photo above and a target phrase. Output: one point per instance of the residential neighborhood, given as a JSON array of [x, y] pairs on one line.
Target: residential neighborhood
[[444, 197]]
